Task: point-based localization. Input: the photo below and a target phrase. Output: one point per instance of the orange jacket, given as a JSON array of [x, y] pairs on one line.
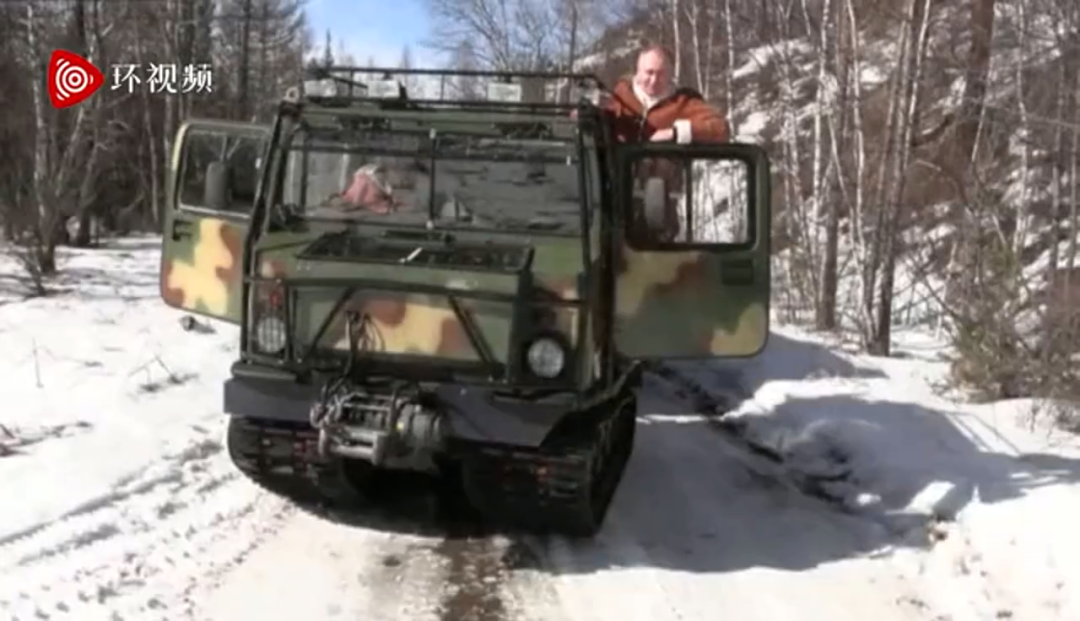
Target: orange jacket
[[684, 109]]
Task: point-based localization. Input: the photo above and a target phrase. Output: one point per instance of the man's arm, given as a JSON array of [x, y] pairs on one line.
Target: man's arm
[[700, 122], [614, 111], [619, 114]]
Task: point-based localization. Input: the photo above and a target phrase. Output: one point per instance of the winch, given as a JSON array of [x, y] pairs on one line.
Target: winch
[[357, 422]]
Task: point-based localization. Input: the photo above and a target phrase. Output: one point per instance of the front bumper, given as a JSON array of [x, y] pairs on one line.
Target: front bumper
[[268, 395], [471, 414]]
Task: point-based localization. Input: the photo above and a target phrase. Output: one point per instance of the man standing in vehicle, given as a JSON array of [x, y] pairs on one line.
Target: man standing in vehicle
[[647, 107]]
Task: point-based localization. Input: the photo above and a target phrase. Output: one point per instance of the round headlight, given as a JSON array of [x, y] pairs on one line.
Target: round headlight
[[546, 358], [270, 334]]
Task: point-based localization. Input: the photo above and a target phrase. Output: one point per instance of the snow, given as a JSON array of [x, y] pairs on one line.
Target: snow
[[749, 130], [115, 486], [761, 56], [119, 502], [873, 434]]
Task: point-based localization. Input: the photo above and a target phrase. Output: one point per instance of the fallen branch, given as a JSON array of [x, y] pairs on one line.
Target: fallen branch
[[5, 450]]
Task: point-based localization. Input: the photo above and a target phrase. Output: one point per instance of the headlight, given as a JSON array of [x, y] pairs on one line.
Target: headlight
[[546, 358], [270, 334]]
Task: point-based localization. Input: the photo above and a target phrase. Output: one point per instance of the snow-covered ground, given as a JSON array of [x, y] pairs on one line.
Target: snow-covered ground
[[980, 497], [118, 501]]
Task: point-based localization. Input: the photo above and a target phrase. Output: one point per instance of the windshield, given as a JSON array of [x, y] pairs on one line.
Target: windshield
[[459, 179]]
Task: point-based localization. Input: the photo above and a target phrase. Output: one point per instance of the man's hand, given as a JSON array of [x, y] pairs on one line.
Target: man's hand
[[663, 135], [603, 98]]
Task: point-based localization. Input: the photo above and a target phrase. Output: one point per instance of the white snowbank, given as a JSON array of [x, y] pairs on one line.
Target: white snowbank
[[115, 501], [873, 434]]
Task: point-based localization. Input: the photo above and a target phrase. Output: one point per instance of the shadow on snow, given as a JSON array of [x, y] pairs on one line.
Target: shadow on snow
[[117, 270], [688, 503]]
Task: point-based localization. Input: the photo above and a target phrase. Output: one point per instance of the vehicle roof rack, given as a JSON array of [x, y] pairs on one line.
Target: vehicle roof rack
[[532, 92]]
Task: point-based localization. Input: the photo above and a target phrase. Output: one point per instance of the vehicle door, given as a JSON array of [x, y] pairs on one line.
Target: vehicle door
[[692, 251], [213, 180]]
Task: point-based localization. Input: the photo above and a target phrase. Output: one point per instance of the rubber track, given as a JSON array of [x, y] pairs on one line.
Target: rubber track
[[283, 459], [565, 489], [538, 490]]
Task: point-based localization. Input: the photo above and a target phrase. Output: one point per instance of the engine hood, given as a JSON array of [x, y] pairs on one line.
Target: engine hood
[[414, 298]]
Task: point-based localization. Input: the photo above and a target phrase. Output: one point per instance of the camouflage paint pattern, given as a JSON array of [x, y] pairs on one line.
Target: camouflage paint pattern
[[698, 300], [202, 273], [421, 324], [674, 305], [417, 324], [668, 304]]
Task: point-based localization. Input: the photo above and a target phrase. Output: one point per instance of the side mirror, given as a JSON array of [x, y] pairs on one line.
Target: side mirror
[[655, 207], [216, 192]]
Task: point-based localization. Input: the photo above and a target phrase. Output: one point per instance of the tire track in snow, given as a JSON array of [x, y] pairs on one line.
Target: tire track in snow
[[139, 549], [475, 576], [322, 569], [405, 555], [703, 529], [700, 527]]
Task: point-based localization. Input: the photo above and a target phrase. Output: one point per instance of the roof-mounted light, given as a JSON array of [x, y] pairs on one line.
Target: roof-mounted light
[[322, 88], [506, 92], [384, 89]]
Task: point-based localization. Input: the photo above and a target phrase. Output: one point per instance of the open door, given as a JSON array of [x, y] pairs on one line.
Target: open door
[[213, 179], [692, 264]]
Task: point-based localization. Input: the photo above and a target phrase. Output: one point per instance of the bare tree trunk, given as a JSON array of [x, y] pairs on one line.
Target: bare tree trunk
[[44, 260], [676, 31], [571, 53], [92, 37], [858, 213], [729, 46], [1074, 191], [262, 91], [157, 212], [877, 236], [710, 54], [1049, 318], [54, 167], [829, 275], [822, 104], [693, 12], [168, 119], [978, 69], [243, 95], [919, 22], [1020, 227], [1071, 96]]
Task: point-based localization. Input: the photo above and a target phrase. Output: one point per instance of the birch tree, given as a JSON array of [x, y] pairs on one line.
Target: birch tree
[[879, 341]]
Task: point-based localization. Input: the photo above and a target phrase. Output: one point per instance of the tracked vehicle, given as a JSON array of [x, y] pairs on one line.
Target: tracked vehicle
[[460, 277]]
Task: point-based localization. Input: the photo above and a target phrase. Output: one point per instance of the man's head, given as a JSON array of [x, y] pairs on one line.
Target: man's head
[[653, 74]]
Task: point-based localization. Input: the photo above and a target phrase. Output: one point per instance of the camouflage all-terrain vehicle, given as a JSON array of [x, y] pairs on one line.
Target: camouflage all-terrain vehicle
[[459, 284]]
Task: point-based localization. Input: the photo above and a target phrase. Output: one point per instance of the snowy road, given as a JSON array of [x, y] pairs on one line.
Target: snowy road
[[118, 501], [694, 534]]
